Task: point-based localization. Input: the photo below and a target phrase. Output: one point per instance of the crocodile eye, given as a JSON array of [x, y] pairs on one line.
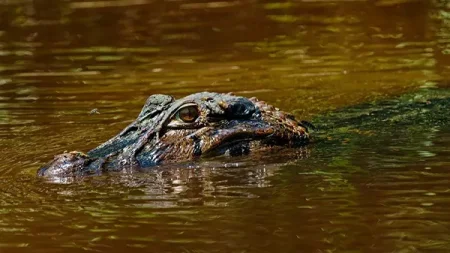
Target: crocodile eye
[[188, 114]]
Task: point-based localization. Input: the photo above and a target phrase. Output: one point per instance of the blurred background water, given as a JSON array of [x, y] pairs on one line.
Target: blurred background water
[[376, 188]]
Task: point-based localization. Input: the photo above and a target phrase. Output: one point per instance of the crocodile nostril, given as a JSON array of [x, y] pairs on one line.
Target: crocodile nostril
[[240, 109]]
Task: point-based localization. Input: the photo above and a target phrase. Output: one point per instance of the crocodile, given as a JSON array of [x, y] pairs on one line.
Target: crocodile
[[169, 130]]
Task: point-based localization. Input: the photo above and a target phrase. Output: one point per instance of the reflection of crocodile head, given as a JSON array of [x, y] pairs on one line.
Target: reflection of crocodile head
[[169, 130]]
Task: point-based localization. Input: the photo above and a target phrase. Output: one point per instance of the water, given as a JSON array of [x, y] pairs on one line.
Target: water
[[373, 75]]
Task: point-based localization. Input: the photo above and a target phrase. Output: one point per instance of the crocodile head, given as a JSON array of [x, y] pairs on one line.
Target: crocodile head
[[169, 130]]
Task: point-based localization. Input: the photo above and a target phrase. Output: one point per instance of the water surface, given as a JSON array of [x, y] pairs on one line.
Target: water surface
[[374, 75]]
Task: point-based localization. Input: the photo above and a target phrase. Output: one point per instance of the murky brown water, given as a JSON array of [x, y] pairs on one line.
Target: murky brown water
[[61, 59]]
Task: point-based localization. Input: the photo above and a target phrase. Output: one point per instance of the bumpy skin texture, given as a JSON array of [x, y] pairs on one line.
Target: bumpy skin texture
[[169, 130]]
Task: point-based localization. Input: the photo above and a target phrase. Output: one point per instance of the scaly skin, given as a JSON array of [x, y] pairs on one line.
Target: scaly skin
[[169, 130]]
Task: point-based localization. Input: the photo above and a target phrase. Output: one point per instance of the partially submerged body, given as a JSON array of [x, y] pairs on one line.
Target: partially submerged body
[[169, 130]]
